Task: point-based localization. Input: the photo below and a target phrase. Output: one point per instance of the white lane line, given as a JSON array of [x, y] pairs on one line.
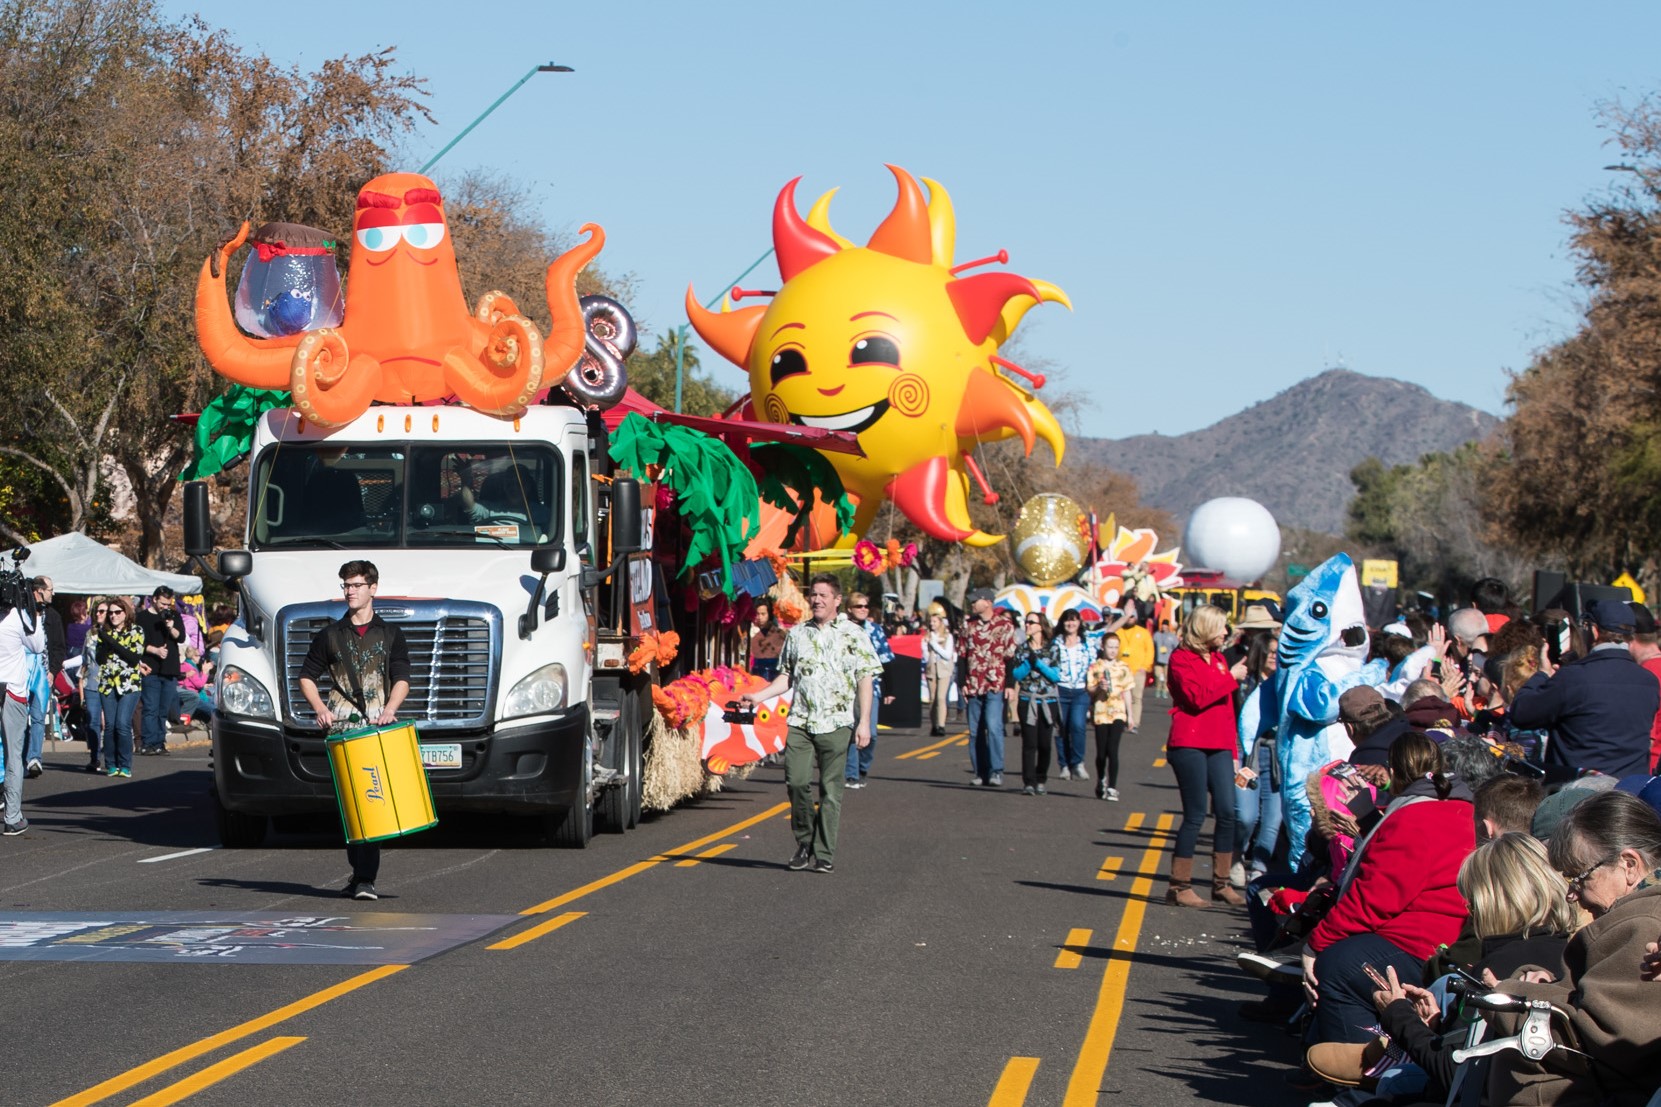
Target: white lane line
[[181, 853]]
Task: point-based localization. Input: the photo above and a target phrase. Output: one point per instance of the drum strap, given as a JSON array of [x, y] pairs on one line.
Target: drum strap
[[343, 650]]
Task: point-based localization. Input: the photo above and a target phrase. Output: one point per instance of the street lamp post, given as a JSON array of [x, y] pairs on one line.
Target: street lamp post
[[517, 85], [680, 331]]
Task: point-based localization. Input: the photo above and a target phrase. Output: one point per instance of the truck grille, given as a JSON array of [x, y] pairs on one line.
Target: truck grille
[[452, 650]]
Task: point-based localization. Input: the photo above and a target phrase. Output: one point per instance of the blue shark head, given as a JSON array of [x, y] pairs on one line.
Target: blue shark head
[[1323, 616]]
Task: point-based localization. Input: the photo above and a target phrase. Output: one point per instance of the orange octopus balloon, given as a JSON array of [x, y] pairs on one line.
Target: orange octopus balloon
[[886, 341], [407, 336]]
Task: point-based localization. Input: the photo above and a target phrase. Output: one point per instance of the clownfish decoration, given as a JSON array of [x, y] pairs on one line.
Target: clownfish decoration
[[889, 342]]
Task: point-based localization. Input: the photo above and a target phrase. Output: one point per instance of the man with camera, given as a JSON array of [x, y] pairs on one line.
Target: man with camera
[[22, 635], [52, 664]]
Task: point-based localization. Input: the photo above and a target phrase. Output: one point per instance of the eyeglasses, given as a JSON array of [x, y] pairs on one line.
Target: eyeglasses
[[1578, 883], [350, 585], [859, 606]]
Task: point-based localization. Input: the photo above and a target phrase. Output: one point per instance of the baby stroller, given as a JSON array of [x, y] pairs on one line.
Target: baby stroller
[[68, 719]]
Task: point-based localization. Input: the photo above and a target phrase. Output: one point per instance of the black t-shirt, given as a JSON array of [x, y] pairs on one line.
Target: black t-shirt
[[155, 624]]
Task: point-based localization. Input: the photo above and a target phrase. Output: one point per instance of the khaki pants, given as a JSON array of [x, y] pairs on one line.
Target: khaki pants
[[940, 674], [816, 828], [1138, 681]]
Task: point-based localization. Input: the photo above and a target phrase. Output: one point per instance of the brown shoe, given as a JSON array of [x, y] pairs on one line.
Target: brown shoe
[[1221, 890], [1345, 1064], [1181, 892]]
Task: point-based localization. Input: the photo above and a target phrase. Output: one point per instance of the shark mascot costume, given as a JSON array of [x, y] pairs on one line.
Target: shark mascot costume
[[1323, 644]]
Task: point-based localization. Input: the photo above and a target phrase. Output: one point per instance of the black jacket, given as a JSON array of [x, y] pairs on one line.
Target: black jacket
[[55, 648], [155, 624], [1599, 710]]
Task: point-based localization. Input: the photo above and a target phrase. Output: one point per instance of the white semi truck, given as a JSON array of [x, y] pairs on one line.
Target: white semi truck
[[512, 566]]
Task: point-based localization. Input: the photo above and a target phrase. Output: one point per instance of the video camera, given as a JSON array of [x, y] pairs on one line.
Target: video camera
[[16, 590]]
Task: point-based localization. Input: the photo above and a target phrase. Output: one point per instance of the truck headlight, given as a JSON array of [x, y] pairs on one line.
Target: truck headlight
[[539, 693], [241, 694]]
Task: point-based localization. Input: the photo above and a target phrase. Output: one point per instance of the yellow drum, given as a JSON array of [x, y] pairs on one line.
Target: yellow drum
[[380, 783]]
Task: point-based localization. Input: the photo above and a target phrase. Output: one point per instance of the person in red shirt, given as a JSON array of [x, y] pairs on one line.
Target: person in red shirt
[[1201, 751], [1647, 652], [1399, 897]]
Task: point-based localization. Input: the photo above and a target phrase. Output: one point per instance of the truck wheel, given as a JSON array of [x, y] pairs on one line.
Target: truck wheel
[[619, 808], [573, 827], [240, 831]]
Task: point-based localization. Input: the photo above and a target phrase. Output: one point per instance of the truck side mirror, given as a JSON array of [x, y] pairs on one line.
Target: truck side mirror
[[548, 559], [627, 527], [198, 526], [235, 564]]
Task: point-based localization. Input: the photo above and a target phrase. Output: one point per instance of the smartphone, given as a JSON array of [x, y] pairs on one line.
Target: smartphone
[[1375, 976], [1470, 977]]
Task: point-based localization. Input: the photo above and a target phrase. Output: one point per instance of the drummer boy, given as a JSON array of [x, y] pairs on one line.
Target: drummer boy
[[368, 666]]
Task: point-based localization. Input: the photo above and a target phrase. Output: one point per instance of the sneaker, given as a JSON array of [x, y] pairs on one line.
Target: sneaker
[[1237, 875], [94, 767], [35, 768], [126, 774], [364, 890], [162, 751], [1065, 773], [820, 865], [977, 783], [1040, 790], [1112, 795], [1029, 790], [996, 780], [854, 783], [1080, 773], [350, 891], [14, 829], [802, 859], [115, 772]]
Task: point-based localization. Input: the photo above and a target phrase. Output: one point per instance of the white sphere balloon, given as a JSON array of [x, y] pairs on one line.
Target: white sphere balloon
[[1233, 535]]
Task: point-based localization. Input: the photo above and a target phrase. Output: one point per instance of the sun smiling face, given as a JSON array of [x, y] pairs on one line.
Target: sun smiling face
[[831, 354]]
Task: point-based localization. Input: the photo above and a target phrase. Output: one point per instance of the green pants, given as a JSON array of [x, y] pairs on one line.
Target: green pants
[[816, 828]]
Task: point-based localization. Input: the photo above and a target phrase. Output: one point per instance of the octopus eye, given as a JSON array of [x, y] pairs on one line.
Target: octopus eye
[[787, 363], [378, 239], [424, 236], [1318, 609], [875, 350]]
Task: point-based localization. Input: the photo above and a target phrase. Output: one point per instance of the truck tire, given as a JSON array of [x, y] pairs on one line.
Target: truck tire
[[619, 808], [573, 827], [238, 830]]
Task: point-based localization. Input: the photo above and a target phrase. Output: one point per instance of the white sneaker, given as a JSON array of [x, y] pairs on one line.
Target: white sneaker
[[1113, 795], [1065, 773], [1237, 875], [996, 780], [1081, 773], [977, 783]]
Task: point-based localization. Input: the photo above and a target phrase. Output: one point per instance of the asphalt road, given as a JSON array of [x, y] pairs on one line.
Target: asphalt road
[[972, 947]]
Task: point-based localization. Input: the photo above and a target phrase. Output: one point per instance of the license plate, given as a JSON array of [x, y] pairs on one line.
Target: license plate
[[441, 755]]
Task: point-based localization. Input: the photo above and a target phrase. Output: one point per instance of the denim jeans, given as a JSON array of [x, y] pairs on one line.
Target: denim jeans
[[986, 734], [37, 730], [1198, 772], [1257, 814], [118, 729], [1345, 1012], [161, 706], [1069, 735], [94, 703], [859, 760]]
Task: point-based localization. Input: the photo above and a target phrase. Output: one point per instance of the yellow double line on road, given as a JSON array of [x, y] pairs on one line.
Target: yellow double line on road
[[923, 753], [190, 1085]]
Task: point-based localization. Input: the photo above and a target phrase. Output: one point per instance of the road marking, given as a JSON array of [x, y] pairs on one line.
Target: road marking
[[1159, 762], [1071, 956], [1110, 868], [135, 1076], [1084, 1087], [715, 852], [1014, 1083], [174, 856], [641, 866], [216, 1072], [956, 739], [531, 934], [1135, 821], [926, 756]]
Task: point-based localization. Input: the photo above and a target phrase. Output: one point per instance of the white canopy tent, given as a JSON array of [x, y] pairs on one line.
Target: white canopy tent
[[79, 566]]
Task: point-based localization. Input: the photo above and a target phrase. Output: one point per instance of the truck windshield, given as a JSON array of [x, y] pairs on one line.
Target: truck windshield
[[404, 495]]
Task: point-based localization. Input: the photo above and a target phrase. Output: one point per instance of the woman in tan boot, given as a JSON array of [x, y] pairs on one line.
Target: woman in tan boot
[[1201, 750]]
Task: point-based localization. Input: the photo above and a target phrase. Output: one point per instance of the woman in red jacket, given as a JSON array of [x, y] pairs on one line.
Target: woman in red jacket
[[1399, 897], [1201, 751]]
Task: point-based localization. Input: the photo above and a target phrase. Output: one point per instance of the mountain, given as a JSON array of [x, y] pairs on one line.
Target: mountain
[[1293, 453]]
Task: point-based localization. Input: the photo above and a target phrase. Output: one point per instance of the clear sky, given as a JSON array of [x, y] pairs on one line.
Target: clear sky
[[1234, 195]]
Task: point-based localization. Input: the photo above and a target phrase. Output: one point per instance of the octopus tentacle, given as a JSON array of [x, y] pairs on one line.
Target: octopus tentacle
[[495, 305], [506, 374], [331, 386], [257, 363], [567, 328]]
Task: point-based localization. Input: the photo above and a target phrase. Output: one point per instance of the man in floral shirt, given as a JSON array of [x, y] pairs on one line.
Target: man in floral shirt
[[829, 662], [989, 642]]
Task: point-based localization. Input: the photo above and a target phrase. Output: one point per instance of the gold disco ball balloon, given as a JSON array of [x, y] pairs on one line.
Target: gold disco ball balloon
[[1050, 546]]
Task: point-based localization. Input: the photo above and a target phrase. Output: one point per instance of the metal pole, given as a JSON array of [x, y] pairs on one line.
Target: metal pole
[[680, 346], [535, 69]]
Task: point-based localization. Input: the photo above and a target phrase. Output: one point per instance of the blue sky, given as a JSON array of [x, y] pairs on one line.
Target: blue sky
[[1234, 195]]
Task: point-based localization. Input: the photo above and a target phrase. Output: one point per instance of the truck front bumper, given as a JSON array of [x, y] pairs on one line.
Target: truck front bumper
[[533, 769]]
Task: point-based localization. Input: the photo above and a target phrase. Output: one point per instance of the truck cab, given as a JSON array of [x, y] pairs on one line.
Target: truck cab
[[487, 535]]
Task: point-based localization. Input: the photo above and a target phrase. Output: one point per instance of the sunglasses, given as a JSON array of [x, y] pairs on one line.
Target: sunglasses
[[102, 611]]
